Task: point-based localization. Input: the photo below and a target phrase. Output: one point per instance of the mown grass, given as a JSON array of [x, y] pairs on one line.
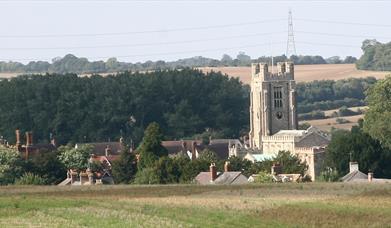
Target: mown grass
[[269, 205]]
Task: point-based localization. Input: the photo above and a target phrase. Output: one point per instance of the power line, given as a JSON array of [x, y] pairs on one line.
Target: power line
[[161, 53], [342, 22], [141, 32], [141, 44], [342, 35], [327, 44]]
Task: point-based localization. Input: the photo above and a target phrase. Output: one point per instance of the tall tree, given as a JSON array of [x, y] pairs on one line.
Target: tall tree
[[151, 148], [378, 117], [124, 169], [356, 145]]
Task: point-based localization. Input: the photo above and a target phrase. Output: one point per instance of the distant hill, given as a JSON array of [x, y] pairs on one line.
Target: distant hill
[[73, 64], [306, 73]]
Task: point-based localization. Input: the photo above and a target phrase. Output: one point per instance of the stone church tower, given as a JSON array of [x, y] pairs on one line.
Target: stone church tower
[[273, 101]]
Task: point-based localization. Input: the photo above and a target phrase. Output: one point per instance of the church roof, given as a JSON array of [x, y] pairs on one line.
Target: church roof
[[296, 133], [262, 157]]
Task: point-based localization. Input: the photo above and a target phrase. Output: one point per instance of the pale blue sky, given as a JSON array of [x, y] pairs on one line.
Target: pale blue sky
[[81, 27]]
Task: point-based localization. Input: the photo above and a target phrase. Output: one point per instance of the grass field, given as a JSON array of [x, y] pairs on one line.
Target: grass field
[[327, 124], [305, 73], [268, 205]]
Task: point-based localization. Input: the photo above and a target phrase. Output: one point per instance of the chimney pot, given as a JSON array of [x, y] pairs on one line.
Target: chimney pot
[[107, 151], [29, 138], [17, 133], [226, 166], [213, 171], [353, 166]]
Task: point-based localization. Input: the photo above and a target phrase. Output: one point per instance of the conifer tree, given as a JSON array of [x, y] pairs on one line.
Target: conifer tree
[[151, 148], [124, 169]]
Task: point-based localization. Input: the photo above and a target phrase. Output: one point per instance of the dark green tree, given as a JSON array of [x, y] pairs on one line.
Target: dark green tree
[[47, 166], [242, 165], [356, 145], [290, 163], [208, 156], [151, 148], [124, 169], [378, 117]]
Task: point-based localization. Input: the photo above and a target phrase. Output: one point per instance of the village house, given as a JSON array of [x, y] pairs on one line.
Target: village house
[[227, 177], [355, 175]]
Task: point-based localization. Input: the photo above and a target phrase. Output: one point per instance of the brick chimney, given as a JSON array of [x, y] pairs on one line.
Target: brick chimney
[[213, 172], [353, 166], [108, 151], [226, 166], [29, 138], [370, 176], [17, 134]]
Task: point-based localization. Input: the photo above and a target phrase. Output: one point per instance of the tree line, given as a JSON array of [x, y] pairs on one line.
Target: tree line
[[185, 103], [72, 64], [87, 109], [376, 56], [329, 94]]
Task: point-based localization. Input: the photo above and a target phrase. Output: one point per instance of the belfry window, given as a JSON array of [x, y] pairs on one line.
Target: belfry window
[[277, 97]]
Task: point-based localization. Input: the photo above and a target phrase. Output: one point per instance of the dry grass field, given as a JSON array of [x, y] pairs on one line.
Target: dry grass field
[[355, 109], [305, 73], [328, 124], [266, 205]]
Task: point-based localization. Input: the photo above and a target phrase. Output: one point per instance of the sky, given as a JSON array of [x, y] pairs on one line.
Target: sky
[[137, 31]]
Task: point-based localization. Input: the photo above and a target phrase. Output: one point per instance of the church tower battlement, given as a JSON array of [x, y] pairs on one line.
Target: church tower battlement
[[273, 101], [285, 71]]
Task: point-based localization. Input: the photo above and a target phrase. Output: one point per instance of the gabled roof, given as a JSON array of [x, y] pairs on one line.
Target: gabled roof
[[312, 139], [222, 178], [100, 147], [174, 147], [354, 176]]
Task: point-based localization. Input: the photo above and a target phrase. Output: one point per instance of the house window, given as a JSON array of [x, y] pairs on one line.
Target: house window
[[277, 97]]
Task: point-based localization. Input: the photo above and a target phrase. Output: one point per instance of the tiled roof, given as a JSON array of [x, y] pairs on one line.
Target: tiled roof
[[312, 139], [354, 176], [174, 147], [100, 147], [204, 178]]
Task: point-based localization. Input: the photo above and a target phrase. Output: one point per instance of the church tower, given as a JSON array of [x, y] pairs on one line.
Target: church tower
[[273, 101]]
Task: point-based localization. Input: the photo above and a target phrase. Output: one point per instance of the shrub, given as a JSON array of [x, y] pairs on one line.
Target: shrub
[[329, 175], [312, 115], [342, 121], [11, 166], [344, 111], [30, 179], [147, 176], [263, 177]]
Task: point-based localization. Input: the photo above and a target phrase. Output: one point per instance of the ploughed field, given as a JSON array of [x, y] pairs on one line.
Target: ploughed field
[[306, 73], [266, 205]]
